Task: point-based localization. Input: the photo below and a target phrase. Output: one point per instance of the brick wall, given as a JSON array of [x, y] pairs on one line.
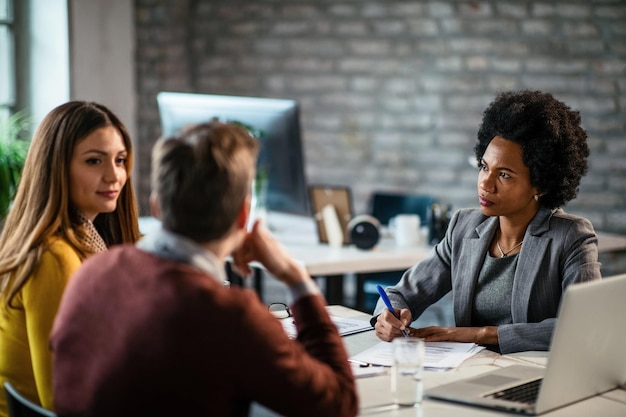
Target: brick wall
[[392, 92]]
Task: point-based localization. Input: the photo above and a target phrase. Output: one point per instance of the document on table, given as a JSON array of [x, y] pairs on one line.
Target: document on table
[[438, 355], [345, 326]]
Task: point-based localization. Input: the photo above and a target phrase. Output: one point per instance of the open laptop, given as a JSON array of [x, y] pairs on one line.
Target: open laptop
[[587, 357]]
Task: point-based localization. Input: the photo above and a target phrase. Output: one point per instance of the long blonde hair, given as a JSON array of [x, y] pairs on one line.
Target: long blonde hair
[[42, 206]]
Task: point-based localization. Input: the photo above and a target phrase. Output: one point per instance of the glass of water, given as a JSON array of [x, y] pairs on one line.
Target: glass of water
[[407, 370]]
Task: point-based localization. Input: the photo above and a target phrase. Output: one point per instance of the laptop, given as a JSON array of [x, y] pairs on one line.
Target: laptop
[[587, 357]]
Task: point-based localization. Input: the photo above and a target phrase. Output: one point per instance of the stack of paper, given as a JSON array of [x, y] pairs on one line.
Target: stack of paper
[[344, 325], [438, 356]]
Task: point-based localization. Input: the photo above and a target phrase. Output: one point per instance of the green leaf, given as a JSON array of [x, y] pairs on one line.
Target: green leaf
[[14, 135]]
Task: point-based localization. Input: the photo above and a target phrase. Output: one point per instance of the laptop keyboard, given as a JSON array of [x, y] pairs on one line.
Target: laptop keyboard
[[526, 393]]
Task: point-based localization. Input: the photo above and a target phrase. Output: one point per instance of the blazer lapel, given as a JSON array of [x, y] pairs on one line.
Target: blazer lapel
[[529, 263], [471, 259]]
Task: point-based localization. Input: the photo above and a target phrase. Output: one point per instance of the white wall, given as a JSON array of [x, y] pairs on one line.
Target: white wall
[[48, 58], [102, 55]]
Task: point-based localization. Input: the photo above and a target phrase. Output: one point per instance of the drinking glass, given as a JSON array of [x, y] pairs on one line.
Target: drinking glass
[[407, 370]]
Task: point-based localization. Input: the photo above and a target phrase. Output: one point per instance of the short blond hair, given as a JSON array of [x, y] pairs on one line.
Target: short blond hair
[[201, 177]]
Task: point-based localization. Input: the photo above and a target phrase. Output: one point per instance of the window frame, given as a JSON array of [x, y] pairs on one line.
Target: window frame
[[7, 23]]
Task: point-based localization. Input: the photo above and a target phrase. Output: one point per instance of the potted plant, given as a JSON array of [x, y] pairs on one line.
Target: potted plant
[[14, 143]]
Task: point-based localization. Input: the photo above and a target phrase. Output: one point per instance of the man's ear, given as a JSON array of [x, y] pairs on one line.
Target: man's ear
[[244, 213], [154, 206]]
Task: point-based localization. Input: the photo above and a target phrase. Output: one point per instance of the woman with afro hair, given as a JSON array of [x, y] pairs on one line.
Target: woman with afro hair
[[508, 262]]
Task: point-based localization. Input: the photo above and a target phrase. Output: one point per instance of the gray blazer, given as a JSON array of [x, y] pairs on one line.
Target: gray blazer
[[559, 249]]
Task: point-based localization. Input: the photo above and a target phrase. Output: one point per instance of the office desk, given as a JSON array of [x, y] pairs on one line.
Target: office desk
[[375, 394], [298, 235]]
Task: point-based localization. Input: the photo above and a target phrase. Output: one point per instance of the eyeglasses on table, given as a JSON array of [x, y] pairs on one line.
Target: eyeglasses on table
[[280, 310]]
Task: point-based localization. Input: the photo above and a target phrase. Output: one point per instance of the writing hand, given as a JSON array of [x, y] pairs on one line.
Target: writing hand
[[388, 327]]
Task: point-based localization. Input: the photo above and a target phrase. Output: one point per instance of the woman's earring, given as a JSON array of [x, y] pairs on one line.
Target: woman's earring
[[536, 197]]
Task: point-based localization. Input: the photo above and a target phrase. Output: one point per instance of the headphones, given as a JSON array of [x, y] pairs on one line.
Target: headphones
[[364, 231]]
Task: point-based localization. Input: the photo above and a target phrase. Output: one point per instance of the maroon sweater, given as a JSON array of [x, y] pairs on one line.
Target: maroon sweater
[[141, 335]]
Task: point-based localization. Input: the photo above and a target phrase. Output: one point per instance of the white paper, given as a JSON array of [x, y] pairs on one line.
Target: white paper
[[344, 325], [438, 355]]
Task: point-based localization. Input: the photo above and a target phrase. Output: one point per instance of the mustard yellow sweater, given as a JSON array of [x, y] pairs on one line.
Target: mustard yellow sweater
[[25, 358]]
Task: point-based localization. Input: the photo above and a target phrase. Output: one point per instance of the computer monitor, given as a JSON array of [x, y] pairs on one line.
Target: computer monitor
[[281, 152]]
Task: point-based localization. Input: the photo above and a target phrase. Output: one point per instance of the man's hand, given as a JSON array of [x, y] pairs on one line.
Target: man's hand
[[480, 335], [261, 247]]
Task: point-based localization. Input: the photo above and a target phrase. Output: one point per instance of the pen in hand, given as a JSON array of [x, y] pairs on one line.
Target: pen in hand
[[383, 295]]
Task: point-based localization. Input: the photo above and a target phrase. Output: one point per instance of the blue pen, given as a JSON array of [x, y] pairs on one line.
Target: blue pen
[[383, 295]]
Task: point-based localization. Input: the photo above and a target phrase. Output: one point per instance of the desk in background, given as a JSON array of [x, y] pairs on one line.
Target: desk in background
[[299, 237]]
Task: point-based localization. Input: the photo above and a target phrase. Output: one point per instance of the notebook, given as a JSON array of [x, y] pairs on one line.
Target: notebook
[[587, 356]]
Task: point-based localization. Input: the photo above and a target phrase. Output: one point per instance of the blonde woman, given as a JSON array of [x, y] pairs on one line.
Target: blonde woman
[[75, 198]]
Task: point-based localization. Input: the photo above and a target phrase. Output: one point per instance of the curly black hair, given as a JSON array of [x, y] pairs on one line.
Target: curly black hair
[[554, 145]]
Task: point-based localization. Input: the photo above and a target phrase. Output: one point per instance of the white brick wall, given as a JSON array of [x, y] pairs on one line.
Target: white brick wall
[[392, 91]]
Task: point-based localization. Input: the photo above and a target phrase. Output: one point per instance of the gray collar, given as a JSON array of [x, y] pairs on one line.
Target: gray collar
[[168, 245], [538, 225]]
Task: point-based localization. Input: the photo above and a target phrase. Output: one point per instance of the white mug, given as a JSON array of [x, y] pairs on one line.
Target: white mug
[[405, 229]]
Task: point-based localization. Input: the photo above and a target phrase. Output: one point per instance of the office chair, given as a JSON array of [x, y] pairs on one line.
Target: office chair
[[20, 406]]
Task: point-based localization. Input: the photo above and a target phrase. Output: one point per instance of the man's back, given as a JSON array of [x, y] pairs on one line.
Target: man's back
[[137, 334]]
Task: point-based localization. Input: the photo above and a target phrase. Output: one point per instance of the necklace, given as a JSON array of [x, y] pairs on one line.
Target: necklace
[[504, 254]]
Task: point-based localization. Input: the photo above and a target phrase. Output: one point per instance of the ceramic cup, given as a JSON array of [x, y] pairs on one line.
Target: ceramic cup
[[406, 229]]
